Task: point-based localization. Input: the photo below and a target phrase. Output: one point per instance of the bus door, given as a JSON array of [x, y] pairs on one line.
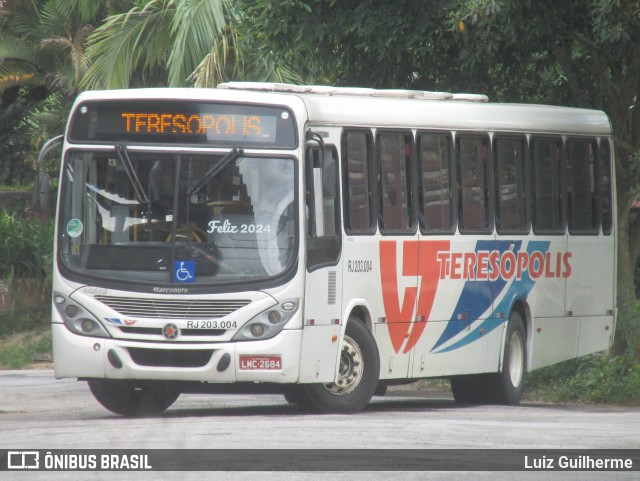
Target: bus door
[[323, 285]]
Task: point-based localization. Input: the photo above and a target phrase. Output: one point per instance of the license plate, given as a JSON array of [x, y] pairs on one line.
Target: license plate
[[260, 363]]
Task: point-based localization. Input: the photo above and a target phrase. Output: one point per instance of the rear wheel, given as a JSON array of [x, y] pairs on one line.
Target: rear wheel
[[357, 376], [134, 398], [505, 387], [510, 382], [472, 389]]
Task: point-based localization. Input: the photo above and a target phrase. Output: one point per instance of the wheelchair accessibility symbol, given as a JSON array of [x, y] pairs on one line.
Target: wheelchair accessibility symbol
[[184, 271]]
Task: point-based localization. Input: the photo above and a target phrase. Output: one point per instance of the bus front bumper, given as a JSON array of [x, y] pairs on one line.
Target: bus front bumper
[[273, 360]]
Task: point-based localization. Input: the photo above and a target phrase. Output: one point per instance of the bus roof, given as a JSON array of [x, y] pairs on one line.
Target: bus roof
[[387, 108], [364, 107]]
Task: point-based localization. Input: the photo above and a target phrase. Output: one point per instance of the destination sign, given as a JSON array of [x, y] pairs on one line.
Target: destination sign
[[159, 121]]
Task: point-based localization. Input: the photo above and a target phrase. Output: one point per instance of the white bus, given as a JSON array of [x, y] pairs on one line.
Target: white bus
[[327, 242]]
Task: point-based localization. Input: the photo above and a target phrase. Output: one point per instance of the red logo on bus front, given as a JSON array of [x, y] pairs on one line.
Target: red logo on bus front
[[432, 261]]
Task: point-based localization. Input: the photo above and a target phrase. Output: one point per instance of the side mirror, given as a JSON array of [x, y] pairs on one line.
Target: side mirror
[[41, 183], [40, 196]]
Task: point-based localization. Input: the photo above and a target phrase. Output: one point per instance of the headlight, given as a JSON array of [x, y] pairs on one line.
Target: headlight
[[268, 323], [77, 319]]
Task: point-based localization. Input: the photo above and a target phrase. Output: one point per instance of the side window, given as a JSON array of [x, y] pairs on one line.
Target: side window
[[606, 204], [547, 186], [323, 207], [357, 182], [581, 186], [511, 192], [394, 157], [473, 198], [434, 154]]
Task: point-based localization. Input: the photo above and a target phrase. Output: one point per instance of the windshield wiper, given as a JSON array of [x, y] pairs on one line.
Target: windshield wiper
[[121, 150], [222, 163]]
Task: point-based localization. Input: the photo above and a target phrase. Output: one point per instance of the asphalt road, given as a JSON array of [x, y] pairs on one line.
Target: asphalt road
[[40, 412]]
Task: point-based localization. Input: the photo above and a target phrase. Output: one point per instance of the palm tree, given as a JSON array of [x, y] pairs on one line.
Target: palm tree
[[19, 56], [43, 43], [157, 41], [42, 59], [175, 43]]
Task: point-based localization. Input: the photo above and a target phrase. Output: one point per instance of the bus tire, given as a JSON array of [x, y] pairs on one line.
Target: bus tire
[[381, 390], [510, 382], [296, 396], [503, 387], [358, 374], [133, 398], [471, 389]]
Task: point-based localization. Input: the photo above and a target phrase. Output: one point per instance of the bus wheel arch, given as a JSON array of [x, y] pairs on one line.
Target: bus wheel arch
[[521, 306], [361, 314], [506, 385]]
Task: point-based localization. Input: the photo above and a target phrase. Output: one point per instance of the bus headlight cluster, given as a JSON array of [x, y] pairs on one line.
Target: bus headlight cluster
[[268, 323], [77, 319]]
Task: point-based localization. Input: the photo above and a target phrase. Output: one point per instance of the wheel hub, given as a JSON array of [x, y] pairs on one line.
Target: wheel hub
[[350, 370]]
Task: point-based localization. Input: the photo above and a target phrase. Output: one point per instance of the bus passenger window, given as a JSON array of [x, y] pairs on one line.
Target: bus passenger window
[[434, 154], [581, 186], [395, 163], [357, 178], [473, 202], [606, 204], [511, 192], [547, 212]]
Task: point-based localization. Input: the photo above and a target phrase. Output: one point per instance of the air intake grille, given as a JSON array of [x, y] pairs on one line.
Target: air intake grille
[[170, 357], [172, 309], [331, 288]]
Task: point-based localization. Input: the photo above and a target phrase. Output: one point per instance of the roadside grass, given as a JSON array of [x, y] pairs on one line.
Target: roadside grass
[[595, 379], [25, 340], [25, 349]]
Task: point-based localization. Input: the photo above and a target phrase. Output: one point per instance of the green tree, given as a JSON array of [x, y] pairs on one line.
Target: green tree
[[393, 44], [575, 52], [156, 42]]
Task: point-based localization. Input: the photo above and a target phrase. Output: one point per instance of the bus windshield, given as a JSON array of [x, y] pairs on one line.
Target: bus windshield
[[173, 218]]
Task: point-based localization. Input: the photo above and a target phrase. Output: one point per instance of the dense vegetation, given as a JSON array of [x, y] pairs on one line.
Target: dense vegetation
[[25, 247]]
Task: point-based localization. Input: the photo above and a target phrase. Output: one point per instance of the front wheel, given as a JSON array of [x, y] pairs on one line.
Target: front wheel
[[133, 398], [357, 376], [295, 394]]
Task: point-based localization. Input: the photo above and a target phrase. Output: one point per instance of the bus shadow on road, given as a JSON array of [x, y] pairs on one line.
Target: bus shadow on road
[[225, 408], [390, 404]]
